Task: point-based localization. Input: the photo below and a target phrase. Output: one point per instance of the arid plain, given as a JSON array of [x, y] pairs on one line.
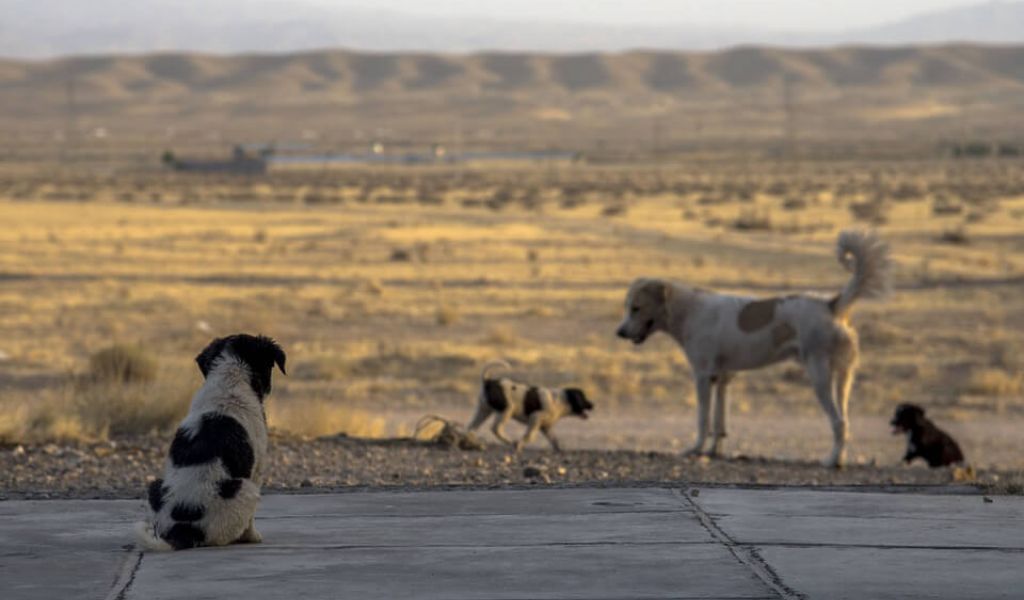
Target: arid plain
[[391, 286]]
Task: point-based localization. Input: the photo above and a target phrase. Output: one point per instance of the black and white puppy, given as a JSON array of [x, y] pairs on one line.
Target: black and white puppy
[[924, 439], [538, 408], [211, 482]]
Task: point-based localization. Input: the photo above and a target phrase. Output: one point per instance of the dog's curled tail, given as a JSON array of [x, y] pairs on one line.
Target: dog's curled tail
[[494, 364], [867, 257], [148, 539]]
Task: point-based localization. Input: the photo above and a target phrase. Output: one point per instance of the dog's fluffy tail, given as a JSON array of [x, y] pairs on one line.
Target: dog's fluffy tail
[[867, 257], [148, 539], [494, 364]]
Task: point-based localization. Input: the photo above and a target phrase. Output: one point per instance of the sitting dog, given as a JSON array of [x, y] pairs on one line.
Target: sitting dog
[[924, 439], [538, 408], [721, 334], [211, 483]]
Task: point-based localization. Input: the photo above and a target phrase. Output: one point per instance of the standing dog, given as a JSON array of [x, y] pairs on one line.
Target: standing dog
[[538, 408], [211, 483], [924, 439], [721, 334]]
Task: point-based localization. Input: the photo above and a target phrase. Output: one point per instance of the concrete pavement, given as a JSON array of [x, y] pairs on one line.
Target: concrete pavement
[[539, 543]]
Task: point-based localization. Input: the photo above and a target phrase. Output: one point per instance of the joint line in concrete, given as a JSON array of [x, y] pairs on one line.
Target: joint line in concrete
[[746, 555], [126, 577]]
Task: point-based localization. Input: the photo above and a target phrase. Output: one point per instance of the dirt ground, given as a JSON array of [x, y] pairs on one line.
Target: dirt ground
[[121, 468]]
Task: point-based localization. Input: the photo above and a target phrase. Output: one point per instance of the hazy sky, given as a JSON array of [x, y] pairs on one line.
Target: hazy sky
[[790, 15]]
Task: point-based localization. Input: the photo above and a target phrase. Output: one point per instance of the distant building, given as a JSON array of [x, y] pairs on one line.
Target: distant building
[[241, 162]]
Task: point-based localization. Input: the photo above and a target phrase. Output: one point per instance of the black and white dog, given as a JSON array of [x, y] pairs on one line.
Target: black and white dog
[[538, 408], [211, 483], [924, 439]]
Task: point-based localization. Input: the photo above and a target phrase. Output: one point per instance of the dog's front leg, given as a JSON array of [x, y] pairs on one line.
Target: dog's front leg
[[498, 427], [718, 423], [531, 433], [546, 430], [703, 414]]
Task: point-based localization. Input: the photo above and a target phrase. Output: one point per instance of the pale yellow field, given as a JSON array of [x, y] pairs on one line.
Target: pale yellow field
[[389, 290]]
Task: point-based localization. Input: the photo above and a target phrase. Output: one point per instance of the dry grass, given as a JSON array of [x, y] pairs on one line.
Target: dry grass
[[369, 332], [84, 409], [317, 417], [994, 382]]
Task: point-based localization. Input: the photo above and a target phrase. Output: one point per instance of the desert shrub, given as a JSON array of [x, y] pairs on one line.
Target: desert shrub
[[121, 364], [954, 235], [446, 315], [993, 382], [501, 335], [794, 203], [400, 255], [753, 220], [872, 211], [942, 205], [614, 210]]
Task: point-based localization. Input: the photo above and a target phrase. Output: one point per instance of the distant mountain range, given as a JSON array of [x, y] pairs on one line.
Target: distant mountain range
[[515, 100], [33, 29]]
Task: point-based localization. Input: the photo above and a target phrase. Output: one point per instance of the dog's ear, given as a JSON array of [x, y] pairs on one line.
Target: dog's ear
[[260, 353], [578, 401], [658, 289], [209, 354]]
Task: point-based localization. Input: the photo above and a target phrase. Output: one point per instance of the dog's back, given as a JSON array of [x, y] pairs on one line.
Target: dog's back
[[208, 494]]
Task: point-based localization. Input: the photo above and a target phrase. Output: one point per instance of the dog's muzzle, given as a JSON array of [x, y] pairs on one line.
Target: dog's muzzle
[[638, 338]]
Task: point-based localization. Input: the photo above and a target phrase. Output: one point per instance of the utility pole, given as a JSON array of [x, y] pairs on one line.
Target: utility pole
[[70, 119], [789, 126]]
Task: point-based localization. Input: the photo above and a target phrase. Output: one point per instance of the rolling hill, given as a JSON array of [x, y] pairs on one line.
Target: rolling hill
[[517, 97]]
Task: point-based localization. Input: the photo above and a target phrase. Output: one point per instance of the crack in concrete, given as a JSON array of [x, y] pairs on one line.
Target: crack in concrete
[[126, 577], [746, 555]]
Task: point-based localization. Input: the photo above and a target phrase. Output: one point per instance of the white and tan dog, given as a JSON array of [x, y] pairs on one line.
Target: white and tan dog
[[211, 483], [538, 408], [721, 334]]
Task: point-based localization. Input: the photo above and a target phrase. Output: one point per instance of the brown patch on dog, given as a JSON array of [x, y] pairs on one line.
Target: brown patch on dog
[[757, 314], [782, 333], [531, 401]]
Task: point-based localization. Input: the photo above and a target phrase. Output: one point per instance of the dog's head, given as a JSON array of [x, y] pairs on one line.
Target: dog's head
[[907, 417], [258, 352], [646, 309], [578, 402]]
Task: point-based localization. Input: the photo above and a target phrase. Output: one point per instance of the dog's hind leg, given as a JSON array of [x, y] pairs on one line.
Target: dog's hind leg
[[498, 427], [250, 535], [820, 373], [843, 383], [482, 412], [703, 414], [719, 417]]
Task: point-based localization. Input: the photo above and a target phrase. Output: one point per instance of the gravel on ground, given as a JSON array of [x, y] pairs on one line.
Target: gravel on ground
[[121, 468]]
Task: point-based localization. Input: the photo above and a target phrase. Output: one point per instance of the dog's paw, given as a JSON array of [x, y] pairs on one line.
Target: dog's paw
[[692, 452], [518, 446], [251, 536], [832, 462]]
